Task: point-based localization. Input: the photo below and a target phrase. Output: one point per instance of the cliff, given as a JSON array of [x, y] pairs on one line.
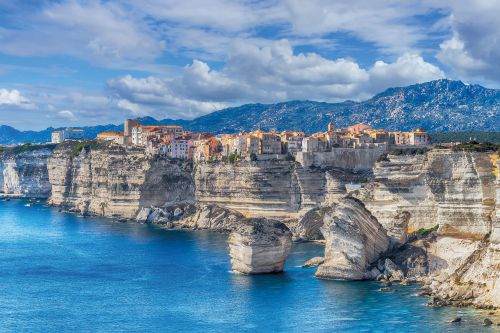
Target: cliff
[[25, 173], [111, 180], [270, 188], [354, 240], [457, 192]]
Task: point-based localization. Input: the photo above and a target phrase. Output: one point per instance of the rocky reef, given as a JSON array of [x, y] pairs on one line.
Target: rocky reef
[[25, 173], [258, 246], [111, 180], [354, 240]]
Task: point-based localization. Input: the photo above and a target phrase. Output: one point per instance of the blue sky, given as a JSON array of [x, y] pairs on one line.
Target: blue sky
[[84, 62]]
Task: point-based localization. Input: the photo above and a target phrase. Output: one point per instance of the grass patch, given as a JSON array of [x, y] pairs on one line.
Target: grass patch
[[425, 232]]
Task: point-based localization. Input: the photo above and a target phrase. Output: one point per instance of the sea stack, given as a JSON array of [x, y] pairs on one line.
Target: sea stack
[[354, 240], [259, 246]]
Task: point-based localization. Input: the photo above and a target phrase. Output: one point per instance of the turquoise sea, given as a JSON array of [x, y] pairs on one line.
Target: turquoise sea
[[63, 273]]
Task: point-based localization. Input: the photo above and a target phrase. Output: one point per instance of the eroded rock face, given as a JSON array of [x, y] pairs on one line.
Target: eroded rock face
[[211, 217], [459, 192], [452, 189], [271, 189], [309, 226], [258, 246], [354, 240], [26, 173], [113, 180]]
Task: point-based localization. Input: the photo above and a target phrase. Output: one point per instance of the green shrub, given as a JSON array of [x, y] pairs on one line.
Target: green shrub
[[232, 158], [81, 145], [253, 157], [383, 158], [474, 146], [27, 147], [425, 232], [408, 151], [289, 157]]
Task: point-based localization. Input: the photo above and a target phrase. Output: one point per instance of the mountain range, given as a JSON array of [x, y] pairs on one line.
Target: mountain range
[[438, 106]]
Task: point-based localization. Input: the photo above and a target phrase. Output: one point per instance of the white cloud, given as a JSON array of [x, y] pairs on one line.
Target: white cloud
[[68, 115], [100, 32], [14, 98], [473, 48], [407, 69], [265, 74]]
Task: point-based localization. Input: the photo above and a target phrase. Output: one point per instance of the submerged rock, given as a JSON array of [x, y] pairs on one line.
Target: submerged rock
[[259, 246], [354, 240]]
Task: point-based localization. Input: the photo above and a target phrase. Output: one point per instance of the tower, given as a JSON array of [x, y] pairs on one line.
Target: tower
[[331, 126]]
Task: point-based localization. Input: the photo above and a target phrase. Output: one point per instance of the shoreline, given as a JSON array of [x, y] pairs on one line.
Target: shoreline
[[493, 312]]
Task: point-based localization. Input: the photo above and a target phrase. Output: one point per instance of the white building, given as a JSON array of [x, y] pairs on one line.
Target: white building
[[177, 149], [67, 134]]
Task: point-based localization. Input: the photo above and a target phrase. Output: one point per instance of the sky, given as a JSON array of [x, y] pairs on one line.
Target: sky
[[79, 62]]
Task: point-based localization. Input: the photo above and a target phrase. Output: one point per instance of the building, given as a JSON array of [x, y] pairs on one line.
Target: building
[[57, 136], [127, 129], [67, 134], [419, 137], [292, 141], [141, 134], [177, 148], [116, 137], [270, 143]]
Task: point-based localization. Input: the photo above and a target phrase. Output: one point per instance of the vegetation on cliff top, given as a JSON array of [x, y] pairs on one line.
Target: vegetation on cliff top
[[79, 146], [24, 148], [474, 146], [464, 137]]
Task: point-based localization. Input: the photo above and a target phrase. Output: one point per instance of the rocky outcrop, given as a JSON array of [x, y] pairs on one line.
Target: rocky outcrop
[[354, 240], [25, 173], [458, 192], [309, 226], [211, 217], [111, 180], [455, 190], [258, 246], [270, 188]]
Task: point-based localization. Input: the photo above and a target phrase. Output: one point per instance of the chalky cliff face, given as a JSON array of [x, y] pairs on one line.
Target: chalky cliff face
[[459, 192], [114, 181], [278, 189], [25, 174]]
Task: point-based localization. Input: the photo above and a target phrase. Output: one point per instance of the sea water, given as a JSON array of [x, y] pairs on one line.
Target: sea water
[[64, 273]]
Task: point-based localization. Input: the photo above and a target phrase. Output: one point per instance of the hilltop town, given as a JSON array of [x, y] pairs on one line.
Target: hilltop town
[[173, 141]]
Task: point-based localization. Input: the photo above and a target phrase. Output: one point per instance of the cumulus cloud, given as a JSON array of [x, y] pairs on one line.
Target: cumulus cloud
[[407, 69], [14, 98], [473, 49], [68, 115], [266, 74]]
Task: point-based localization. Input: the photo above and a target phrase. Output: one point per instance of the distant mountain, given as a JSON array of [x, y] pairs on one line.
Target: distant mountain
[[438, 106], [441, 105]]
